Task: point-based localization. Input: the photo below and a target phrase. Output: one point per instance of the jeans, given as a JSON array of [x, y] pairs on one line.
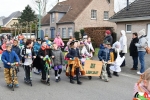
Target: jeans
[[142, 60], [135, 62]]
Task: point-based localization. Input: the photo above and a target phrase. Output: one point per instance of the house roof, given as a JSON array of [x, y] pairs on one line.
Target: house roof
[[60, 8], [10, 17], [45, 20], [72, 8], [138, 10]]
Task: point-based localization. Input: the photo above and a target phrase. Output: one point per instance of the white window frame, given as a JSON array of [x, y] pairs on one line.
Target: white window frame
[[52, 17], [70, 33], [105, 15], [127, 29], [64, 36], [46, 31], [93, 14]]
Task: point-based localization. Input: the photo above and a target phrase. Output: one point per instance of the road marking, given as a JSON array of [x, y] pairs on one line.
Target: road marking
[[129, 75]]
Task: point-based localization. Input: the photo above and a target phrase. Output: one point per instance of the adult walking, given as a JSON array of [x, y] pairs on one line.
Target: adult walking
[[134, 51], [143, 42], [123, 43]]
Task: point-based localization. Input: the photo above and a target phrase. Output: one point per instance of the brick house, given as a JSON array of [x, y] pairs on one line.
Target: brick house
[[133, 19], [70, 16]]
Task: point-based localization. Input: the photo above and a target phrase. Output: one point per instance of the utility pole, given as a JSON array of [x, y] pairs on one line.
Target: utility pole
[[39, 25]]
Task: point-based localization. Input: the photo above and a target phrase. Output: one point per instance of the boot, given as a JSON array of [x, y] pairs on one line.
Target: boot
[[71, 80], [78, 82]]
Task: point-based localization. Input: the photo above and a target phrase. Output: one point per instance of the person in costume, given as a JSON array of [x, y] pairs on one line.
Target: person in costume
[[58, 61], [7, 58], [104, 56], [74, 63], [43, 52], [143, 86], [27, 59], [58, 41]]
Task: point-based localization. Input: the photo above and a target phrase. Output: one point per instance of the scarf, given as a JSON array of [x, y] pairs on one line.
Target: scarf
[[43, 48]]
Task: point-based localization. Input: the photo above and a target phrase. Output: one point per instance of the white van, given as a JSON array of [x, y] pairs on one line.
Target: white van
[[27, 35]]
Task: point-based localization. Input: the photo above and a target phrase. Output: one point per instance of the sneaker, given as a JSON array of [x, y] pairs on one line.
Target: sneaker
[[139, 73], [106, 80], [109, 76], [9, 85], [16, 85], [72, 81]]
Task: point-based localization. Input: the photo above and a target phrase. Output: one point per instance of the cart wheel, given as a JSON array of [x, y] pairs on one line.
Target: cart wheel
[[90, 77]]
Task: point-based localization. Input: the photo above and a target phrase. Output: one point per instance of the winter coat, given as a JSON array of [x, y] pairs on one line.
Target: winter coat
[[43, 52], [104, 54], [73, 53], [109, 39], [10, 57], [83, 51], [36, 47], [17, 50], [58, 57], [143, 42], [123, 43], [59, 42], [133, 48]]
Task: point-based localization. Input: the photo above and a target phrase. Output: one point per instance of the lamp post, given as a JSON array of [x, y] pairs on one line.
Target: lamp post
[[39, 25]]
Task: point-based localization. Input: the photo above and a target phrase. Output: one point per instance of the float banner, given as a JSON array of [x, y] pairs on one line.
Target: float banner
[[93, 68]]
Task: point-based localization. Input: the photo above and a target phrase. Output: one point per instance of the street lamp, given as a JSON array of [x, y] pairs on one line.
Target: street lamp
[[39, 27]]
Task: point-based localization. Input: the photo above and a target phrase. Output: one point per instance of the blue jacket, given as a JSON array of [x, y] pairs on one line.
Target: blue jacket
[[101, 46], [104, 54], [10, 57], [36, 47]]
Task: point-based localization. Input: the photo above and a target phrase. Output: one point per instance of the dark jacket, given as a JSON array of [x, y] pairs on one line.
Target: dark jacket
[[58, 57], [24, 53], [43, 53], [133, 48], [109, 39], [73, 53], [10, 57], [17, 50], [104, 54]]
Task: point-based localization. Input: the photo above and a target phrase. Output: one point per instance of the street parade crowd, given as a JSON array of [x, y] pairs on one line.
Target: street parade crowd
[[45, 55]]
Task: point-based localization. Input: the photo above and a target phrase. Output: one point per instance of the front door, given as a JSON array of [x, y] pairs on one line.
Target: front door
[[148, 34]]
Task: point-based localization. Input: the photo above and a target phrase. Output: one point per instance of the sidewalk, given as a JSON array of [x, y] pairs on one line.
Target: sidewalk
[[129, 64]]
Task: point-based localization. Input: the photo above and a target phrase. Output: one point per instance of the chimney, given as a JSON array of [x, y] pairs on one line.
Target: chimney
[[127, 4]]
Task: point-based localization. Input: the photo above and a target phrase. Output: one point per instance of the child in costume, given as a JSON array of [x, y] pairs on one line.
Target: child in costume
[[142, 88], [58, 61], [48, 42], [74, 63], [27, 59], [7, 58], [43, 52], [104, 56]]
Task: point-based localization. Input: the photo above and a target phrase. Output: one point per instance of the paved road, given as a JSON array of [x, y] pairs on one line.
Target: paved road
[[119, 88]]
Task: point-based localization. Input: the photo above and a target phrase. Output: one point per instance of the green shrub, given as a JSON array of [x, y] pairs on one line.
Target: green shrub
[[82, 32], [77, 36]]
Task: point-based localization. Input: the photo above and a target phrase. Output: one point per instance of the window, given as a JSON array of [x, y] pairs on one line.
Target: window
[[70, 31], [64, 33], [106, 15], [46, 31], [93, 14], [128, 27], [52, 17]]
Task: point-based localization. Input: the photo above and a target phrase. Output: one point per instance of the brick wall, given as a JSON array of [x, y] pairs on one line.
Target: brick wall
[[84, 19]]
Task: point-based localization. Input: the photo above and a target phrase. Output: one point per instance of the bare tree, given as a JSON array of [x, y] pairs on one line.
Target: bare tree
[[43, 6]]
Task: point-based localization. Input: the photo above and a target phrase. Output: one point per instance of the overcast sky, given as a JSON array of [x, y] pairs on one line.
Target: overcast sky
[[9, 6]]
